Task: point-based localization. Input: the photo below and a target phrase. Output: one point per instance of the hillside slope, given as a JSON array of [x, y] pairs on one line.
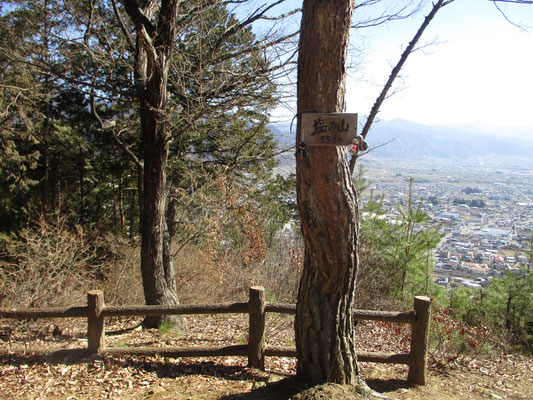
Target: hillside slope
[[403, 139]]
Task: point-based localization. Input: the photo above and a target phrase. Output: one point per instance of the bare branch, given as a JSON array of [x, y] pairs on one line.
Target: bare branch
[[396, 70], [376, 147], [87, 33], [282, 16], [138, 17], [105, 127], [386, 16], [502, 12], [258, 14], [123, 27], [513, 1]]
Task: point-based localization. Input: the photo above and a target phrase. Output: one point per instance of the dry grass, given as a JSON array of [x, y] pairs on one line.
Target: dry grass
[[200, 280]]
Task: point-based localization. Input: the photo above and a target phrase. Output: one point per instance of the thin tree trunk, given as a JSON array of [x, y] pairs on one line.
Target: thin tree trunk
[[133, 198], [508, 312], [168, 236], [140, 193], [81, 182], [121, 199], [328, 205], [54, 183], [45, 154], [115, 219], [45, 151]]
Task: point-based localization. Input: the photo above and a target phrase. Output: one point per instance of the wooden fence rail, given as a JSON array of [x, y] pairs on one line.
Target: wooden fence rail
[[96, 311]]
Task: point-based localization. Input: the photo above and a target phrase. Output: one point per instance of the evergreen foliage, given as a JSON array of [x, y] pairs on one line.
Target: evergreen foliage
[[70, 130], [506, 305], [397, 263], [401, 246]]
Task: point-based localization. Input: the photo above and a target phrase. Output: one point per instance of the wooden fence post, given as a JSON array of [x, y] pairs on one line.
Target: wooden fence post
[[419, 341], [256, 329], [95, 321]]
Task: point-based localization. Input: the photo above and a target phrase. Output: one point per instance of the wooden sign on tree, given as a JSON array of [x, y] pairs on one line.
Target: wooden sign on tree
[[329, 129]]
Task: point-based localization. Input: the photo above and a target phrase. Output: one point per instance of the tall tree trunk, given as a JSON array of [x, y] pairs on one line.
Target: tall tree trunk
[[328, 205], [140, 194], [45, 150], [153, 55], [158, 276]]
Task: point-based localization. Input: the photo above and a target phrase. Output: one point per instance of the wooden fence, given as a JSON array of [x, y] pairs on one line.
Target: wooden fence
[[96, 311]]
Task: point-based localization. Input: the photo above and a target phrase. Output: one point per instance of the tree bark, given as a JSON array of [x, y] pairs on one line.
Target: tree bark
[[327, 202], [158, 277], [121, 199], [152, 61]]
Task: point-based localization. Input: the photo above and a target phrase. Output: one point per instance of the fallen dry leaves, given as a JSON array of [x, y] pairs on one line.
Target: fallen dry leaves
[[30, 376]]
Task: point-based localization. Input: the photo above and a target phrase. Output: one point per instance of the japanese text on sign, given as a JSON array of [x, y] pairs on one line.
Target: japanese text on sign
[[333, 129]]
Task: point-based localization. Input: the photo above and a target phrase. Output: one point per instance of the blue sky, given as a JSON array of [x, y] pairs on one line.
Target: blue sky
[[480, 71]]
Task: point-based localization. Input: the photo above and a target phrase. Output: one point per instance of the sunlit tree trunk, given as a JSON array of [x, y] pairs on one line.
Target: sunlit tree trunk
[[327, 203]]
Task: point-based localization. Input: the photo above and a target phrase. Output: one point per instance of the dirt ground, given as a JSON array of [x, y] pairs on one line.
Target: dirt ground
[[25, 375]]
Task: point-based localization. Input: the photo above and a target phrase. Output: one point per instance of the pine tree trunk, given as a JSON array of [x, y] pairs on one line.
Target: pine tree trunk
[[328, 205]]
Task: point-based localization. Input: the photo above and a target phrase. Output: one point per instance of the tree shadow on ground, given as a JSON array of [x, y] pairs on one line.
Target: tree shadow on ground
[[61, 356], [388, 385], [264, 385], [291, 388], [162, 367], [284, 389]]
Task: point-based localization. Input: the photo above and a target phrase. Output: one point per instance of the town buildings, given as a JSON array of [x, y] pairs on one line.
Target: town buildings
[[484, 213]]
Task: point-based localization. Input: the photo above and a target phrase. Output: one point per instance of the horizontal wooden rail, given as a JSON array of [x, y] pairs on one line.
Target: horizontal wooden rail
[[271, 351], [71, 352], [223, 308], [255, 350], [363, 356], [385, 316], [175, 352], [281, 308], [386, 358], [201, 351], [367, 315], [54, 312]]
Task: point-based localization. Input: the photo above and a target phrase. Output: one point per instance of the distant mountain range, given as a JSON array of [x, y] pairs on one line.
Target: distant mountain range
[[403, 139]]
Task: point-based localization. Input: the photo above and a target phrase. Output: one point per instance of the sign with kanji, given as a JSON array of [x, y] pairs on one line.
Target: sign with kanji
[[331, 129]]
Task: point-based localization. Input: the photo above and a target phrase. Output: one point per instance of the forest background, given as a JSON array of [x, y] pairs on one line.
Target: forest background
[[71, 175]]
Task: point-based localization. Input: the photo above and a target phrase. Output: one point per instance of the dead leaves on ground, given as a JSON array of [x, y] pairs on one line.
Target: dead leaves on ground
[[103, 377]]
